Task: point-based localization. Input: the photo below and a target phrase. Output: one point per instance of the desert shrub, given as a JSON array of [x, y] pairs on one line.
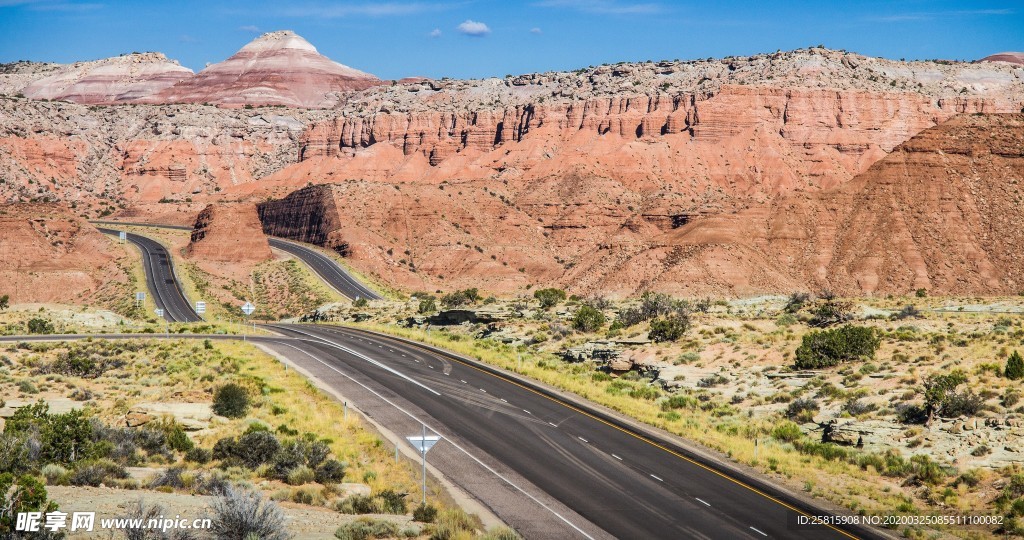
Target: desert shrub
[[23, 494], [796, 302], [911, 413], [360, 303], [787, 432], [645, 392], [300, 475], [668, 329], [428, 304], [906, 313], [177, 439], [549, 297], [712, 380], [1014, 367], [827, 348], [628, 317], [198, 455], [425, 513], [802, 409], [384, 502], [169, 478], [451, 524], [330, 471], [256, 448], [240, 514], [54, 474], [367, 529], [38, 325], [921, 293], [857, 407], [97, 472], [305, 451], [460, 298], [679, 402], [231, 400], [942, 399], [830, 310], [588, 319], [58, 438]]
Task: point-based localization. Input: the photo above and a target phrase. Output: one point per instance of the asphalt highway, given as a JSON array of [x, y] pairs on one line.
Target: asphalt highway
[[160, 279], [623, 481], [327, 269]]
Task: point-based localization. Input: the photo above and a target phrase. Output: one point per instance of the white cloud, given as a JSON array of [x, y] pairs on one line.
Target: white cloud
[[252, 28], [474, 28], [536, 31], [435, 33]]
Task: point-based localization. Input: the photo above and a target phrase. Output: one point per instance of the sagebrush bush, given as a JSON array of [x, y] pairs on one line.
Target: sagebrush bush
[[828, 348], [425, 513], [231, 400], [240, 514]]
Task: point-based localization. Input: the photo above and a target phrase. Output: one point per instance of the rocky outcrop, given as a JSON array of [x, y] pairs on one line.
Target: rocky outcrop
[[941, 212], [122, 79], [1010, 57], [229, 233], [278, 68], [47, 254]]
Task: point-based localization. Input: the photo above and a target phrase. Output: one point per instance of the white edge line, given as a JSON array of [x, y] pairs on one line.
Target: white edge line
[[370, 360], [759, 531], [658, 478], [702, 501], [457, 447], [616, 457]]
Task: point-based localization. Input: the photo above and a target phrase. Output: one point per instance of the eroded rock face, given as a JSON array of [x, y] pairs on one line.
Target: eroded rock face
[[941, 212], [48, 254], [229, 233], [278, 68], [122, 79]]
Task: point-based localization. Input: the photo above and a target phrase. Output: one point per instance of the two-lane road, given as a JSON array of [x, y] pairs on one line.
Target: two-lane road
[[332, 273], [160, 279], [622, 481]]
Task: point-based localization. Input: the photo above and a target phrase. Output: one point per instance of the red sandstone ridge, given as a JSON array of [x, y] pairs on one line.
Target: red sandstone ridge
[[48, 254], [122, 79], [229, 233], [278, 68], [1011, 57], [941, 212]]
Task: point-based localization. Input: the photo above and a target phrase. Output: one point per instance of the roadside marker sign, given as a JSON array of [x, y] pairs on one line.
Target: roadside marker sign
[[122, 236], [159, 312], [200, 308], [248, 308], [423, 443]]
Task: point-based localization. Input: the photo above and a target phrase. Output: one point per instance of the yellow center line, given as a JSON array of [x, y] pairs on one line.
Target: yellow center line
[[609, 424]]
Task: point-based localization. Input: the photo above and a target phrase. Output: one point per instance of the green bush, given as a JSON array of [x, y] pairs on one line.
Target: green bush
[[425, 513], [549, 297], [367, 529], [787, 432], [461, 298], [828, 348], [40, 326], [668, 329], [198, 455], [428, 304], [231, 400], [331, 471], [1014, 367], [802, 409], [588, 319]]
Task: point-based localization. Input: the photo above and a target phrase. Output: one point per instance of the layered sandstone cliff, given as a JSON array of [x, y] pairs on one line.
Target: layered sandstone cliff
[[942, 212], [228, 233], [47, 254]]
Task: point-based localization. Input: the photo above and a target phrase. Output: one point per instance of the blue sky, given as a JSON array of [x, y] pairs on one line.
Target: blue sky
[[466, 38]]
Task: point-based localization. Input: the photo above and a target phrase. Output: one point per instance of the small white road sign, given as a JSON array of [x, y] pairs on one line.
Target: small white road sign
[[248, 308], [200, 308]]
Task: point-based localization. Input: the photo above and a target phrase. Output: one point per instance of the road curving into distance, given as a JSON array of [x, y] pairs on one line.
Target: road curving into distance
[[332, 273], [160, 279], [619, 479], [548, 464]]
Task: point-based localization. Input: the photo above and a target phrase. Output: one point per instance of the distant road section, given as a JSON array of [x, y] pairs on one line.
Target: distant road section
[[160, 279], [326, 268]]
